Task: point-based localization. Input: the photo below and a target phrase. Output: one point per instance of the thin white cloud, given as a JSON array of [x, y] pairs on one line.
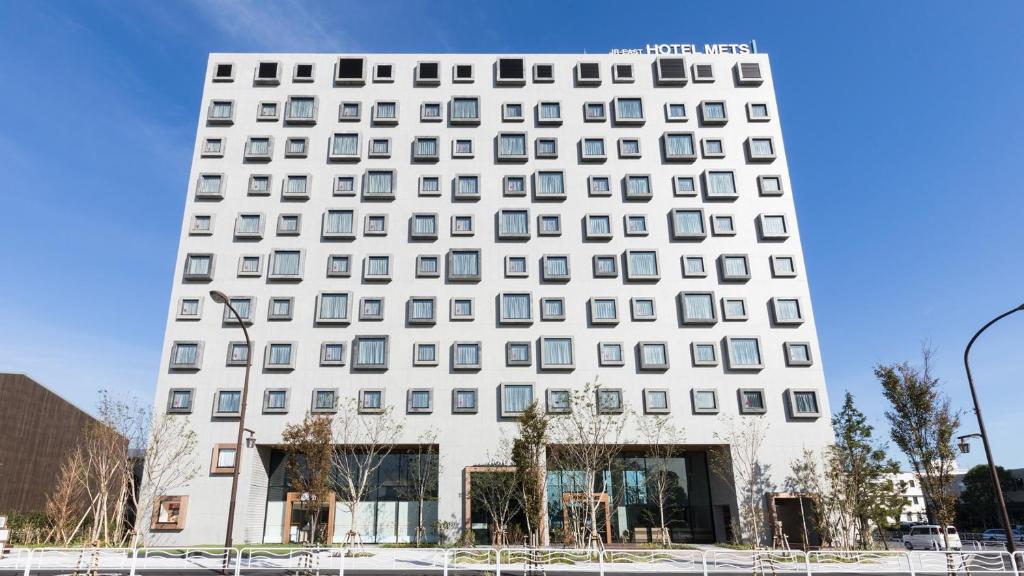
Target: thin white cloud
[[286, 25]]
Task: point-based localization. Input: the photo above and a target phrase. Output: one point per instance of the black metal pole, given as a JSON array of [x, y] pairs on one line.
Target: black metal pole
[[996, 486]]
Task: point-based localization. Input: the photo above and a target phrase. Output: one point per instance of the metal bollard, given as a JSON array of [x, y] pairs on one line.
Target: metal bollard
[[28, 562], [444, 562]]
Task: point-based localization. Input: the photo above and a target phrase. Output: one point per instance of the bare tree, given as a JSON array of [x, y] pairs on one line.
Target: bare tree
[[169, 463], [740, 464], [923, 425], [586, 440], [65, 505], [310, 446], [424, 473], [662, 438], [362, 442]]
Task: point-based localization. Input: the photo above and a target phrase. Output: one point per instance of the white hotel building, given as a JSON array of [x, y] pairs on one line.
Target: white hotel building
[[455, 235]]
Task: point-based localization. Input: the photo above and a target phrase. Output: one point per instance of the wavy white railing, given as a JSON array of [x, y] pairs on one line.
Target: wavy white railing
[[336, 561]]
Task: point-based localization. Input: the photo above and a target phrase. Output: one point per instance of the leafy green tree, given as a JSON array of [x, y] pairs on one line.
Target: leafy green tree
[[528, 456], [976, 508]]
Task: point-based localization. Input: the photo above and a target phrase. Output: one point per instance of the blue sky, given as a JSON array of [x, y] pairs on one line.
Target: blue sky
[[901, 119]]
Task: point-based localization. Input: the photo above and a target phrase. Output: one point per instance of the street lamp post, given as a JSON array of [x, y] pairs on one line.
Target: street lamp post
[[996, 486], [220, 298]]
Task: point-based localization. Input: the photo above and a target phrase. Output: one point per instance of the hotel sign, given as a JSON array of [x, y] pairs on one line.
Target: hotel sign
[[662, 49]]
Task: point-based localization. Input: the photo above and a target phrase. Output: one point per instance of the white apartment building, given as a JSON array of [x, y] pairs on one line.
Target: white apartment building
[[914, 509], [458, 235]]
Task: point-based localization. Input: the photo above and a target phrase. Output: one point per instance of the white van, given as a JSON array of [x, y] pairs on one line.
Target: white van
[[929, 537]]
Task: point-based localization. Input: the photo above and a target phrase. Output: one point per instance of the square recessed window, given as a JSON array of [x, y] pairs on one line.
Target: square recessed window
[[684, 186], [656, 401], [555, 268], [513, 224], [428, 266], [339, 265], [713, 112], [552, 309], [549, 225], [224, 73], [344, 146], [592, 149], [512, 146], [420, 401], [375, 225], [186, 355], [798, 354], [296, 147], [466, 356], [518, 354], [761, 149], [428, 73], [249, 266], [275, 401], [556, 353], [675, 112], [703, 73], [350, 111], [371, 401], [515, 399], [516, 308], [385, 113], [202, 225], [464, 401], [325, 400], [198, 267], [379, 185], [467, 187], [259, 185], [189, 309], [787, 311], [734, 309], [720, 184], [752, 401], [769, 185], [464, 110], [705, 401], [783, 266], [610, 354], [462, 148], [462, 309], [424, 354], [678, 146], [422, 310], [773, 226], [333, 307], [212, 148], [423, 226], [559, 401], [303, 73], [803, 403], [598, 226], [642, 265], [712, 147], [609, 401], [550, 185], [599, 185], [546, 147], [652, 355], [210, 187], [464, 265], [643, 309], [300, 110], [606, 266], [280, 308], [629, 147], [516, 267], [549, 113], [351, 71], [379, 148], [279, 356], [179, 400], [430, 112], [629, 111], [744, 353], [221, 112], [758, 112], [244, 305], [332, 354], [588, 74], [623, 73], [377, 267], [345, 186], [514, 185], [370, 353], [723, 225], [295, 187], [339, 224], [383, 73], [227, 403], [704, 353], [512, 112], [542, 73], [638, 187], [594, 112], [430, 186], [426, 149], [693, 267], [604, 311], [267, 112], [289, 224], [734, 267], [636, 225]]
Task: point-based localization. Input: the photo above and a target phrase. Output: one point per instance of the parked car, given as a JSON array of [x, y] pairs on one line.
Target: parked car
[[999, 535], [929, 537]]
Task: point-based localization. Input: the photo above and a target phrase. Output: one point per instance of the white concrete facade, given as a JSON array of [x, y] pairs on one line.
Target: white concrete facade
[[465, 439]]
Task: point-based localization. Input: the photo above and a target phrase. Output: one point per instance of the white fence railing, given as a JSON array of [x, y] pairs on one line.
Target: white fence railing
[[445, 561]]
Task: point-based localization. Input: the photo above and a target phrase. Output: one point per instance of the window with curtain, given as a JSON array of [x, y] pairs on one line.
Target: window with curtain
[[430, 184], [556, 266], [209, 183], [198, 264], [679, 145], [594, 111], [735, 266], [324, 400], [432, 110], [724, 225], [372, 399], [186, 354], [593, 147], [376, 224], [423, 309], [629, 147], [463, 146], [181, 400], [516, 265], [805, 402], [259, 184], [276, 400], [213, 146], [300, 108], [462, 308], [611, 353], [333, 352], [643, 307], [638, 185], [465, 109], [516, 398], [553, 307], [468, 186], [784, 265], [557, 351], [704, 353], [380, 183], [259, 146], [559, 400], [268, 110], [604, 309], [515, 306], [600, 184], [288, 224], [787, 309], [467, 354], [229, 401], [657, 400], [629, 109], [744, 352], [685, 185], [761, 147], [296, 146], [676, 111], [339, 221], [465, 263], [721, 184], [713, 147], [378, 265], [753, 400], [547, 146], [643, 263], [424, 225], [636, 224], [296, 184], [345, 184], [515, 184], [610, 401], [550, 111], [514, 223], [426, 147], [518, 352], [550, 184], [699, 307], [380, 146], [758, 110], [513, 111], [334, 306], [221, 110], [705, 400], [774, 225], [281, 308], [694, 265], [735, 308], [419, 400], [604, 265], [242, 305], [599, 225], [345, 145], [714, 110], [550, 224], [770, 184], [654, 354], [339, 264], [426, 352], [512, 145], [465, 399], [371, 351], [387, 110], [280, 354], [427, 265], [799, 353], [350, 110], [189, 307]]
